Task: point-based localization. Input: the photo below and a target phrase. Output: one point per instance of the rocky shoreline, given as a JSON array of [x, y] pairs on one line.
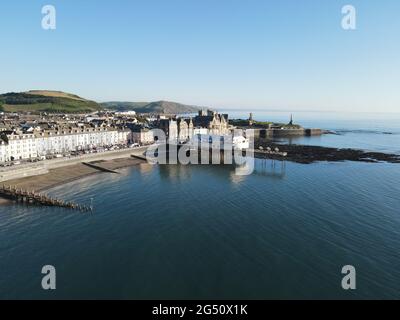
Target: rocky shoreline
[[310, 154]]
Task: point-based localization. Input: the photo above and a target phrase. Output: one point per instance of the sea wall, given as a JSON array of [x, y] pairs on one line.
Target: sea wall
[[42, 167], [313, 132], [269, 133], [22, 172], [287, 132]]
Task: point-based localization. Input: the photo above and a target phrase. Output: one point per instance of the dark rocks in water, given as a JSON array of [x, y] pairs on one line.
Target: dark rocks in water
[[309, 154]]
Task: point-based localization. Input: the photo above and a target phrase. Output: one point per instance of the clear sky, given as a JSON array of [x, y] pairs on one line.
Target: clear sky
[[271, 54]]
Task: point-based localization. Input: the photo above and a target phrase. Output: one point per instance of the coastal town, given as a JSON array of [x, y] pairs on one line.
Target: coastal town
[[199, 158], [33, 137], [41, 150], [37, 137]]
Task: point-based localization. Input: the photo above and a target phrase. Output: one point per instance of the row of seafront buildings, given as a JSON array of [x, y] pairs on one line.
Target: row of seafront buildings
[[22, 139], [19, 144]]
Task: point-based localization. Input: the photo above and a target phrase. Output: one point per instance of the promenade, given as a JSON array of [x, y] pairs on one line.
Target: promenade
[[44, 175], [44, 167]]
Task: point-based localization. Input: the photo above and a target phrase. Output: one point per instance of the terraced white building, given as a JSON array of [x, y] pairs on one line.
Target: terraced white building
[[20, 146]]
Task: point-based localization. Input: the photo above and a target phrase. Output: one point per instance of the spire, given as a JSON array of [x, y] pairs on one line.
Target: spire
[[251, 119]]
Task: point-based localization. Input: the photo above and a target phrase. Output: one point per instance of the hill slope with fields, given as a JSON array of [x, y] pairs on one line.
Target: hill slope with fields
[[46, 101]]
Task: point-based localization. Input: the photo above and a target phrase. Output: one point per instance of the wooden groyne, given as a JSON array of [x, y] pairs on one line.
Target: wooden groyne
[[30, 197], [140, 157], [98, 167]]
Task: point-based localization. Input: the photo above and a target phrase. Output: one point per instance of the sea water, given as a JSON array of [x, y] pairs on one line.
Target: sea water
[[201, 232]]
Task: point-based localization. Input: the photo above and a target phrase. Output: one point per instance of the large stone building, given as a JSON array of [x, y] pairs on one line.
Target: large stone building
[[185, 129], [217, 124], [206, 122]]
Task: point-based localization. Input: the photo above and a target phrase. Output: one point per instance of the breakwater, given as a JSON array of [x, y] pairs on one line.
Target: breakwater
[[33, 198]]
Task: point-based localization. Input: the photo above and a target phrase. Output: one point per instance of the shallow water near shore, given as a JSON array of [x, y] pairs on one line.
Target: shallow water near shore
[[166, 232]]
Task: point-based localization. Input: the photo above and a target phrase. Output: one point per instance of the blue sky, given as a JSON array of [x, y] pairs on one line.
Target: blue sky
[[271, 54]]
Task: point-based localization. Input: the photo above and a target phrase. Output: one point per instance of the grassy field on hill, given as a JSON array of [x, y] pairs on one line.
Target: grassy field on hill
[[158, 107], [55, 94], [46, 101]]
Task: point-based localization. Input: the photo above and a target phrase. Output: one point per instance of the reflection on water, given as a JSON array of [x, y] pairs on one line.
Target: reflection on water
[[145, 167], [174, 172], [202, 232], [271, 169]]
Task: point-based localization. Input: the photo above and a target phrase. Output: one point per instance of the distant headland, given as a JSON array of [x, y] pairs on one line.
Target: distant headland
[[61, 102]]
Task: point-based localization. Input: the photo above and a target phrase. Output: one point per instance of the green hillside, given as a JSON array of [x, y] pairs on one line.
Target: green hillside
[[123, 105], [61, 102], [46, 101], [159, 107]]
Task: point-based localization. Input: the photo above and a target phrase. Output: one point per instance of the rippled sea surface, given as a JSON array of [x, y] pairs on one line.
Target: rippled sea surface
[[201, 232], [368, 131]]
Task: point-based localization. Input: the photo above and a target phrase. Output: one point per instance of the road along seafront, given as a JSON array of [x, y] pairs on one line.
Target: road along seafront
[[42, 167], [48, 174]]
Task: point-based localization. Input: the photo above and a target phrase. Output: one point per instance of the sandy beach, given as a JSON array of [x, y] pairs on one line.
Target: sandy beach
[[62, 175]]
